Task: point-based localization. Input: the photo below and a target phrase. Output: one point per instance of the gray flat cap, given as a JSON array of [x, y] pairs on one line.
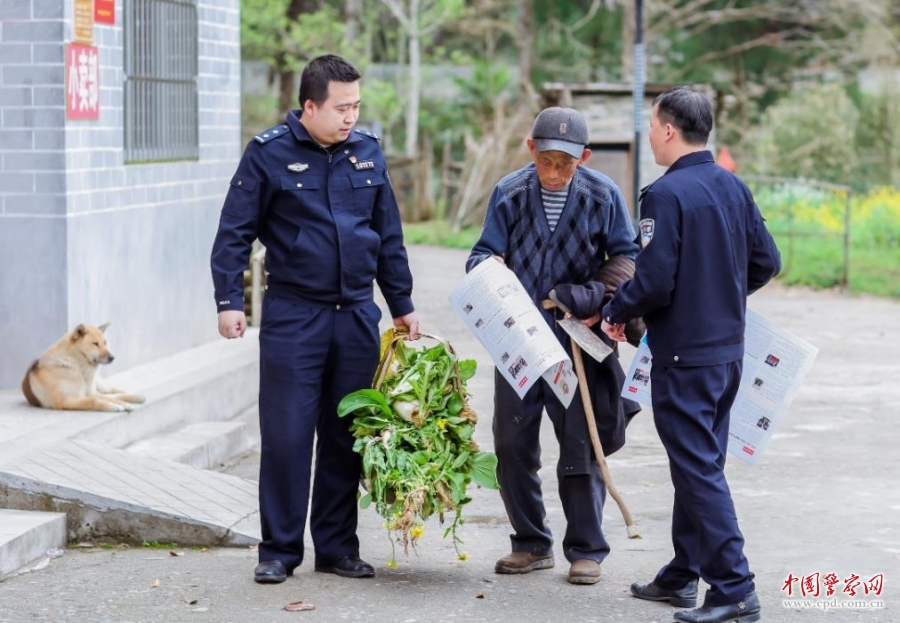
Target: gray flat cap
[[560, 129]]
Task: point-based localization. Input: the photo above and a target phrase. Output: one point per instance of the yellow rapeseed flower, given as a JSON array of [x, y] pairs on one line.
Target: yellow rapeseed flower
[[463, 556], [391, 564], [442, 423], [416, 531]]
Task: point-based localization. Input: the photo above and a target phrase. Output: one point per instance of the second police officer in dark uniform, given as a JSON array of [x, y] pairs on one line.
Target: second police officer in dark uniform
[[317, 194], [705, 248]]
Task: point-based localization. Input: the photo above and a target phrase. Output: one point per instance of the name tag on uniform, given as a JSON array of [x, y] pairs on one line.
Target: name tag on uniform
[[364, 165]]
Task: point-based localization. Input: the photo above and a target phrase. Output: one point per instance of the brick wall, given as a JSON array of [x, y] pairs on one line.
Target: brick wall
[[86, 237]]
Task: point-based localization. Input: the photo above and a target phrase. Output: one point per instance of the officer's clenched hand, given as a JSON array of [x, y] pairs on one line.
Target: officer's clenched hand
[[411, 322], [232, 323]]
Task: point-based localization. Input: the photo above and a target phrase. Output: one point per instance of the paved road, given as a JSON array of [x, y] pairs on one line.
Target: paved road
[[825, 499]]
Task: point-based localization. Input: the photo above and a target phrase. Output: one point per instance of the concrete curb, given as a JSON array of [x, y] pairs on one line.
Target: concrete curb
[[26, 537]]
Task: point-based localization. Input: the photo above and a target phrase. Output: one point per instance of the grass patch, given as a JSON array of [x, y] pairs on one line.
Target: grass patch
[[440, 234], [814, 261], [158, 545], [817, 261], [875, 271]]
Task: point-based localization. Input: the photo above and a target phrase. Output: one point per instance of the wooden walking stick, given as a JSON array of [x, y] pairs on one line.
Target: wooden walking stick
[[592, 430]]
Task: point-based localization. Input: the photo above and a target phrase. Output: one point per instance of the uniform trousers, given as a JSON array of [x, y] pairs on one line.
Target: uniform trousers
[[691, 409], [582, 491], [311, 356]]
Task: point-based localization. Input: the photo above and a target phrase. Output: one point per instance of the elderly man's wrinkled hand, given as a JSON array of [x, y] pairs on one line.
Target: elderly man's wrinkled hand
[[615, 332]]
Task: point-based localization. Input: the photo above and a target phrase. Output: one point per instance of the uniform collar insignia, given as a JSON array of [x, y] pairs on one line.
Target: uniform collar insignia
[[297, 167]]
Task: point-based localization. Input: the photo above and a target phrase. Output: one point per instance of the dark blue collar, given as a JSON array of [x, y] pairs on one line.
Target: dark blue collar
[[689, 160]]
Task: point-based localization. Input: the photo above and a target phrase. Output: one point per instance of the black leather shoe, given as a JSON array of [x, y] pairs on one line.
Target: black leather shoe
[[744, 611], [684, 597], [349, 567], [270, 572]]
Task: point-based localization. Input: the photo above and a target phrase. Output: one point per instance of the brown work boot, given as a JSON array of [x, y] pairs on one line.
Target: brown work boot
[[523, 562], [584, 571]]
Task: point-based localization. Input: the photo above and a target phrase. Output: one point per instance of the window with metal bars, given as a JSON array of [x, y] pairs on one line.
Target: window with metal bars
[[161, 116]]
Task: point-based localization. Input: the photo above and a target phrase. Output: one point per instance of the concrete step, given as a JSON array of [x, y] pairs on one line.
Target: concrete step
[[213, 382], [204, 445], [117, 496], [28, 539]]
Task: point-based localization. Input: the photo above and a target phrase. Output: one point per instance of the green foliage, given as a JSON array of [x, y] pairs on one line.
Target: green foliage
[[809, 226], [381, 103], [414, 433], [809, 134], [263, 24], [489, 90], [878, 137], [268, 35], [440, 233], [320, 32], [158, 545], [258, 112], [573, 49]]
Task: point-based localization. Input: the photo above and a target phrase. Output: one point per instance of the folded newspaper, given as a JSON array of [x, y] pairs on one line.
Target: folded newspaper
[[775, 364], [492, 302]]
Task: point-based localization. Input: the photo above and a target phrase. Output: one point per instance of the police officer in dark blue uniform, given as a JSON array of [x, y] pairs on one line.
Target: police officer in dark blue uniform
[[705, 247], [317, 194]]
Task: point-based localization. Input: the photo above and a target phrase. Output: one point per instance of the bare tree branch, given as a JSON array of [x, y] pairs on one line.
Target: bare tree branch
[[584, 21], [397, 12]]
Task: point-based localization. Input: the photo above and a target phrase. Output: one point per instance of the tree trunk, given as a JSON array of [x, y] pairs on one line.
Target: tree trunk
[[415, 79], [628, 36], [353, 16], [526, 39], [287, 92]]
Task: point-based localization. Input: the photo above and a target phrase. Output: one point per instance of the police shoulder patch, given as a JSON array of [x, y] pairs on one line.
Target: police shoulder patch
[[274, 132], [369, 134], [647, 226]]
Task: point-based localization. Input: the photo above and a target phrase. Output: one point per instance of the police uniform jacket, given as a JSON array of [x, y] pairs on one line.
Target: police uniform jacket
[[705, 248], [327, 217]]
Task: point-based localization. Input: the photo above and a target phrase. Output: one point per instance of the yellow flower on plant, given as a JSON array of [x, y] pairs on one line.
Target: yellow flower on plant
[[463, 556], [442, 423], [416, 531], [391, 564]]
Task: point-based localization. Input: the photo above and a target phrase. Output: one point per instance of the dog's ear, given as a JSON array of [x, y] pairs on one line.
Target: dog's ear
[[103, 327], [79, 332]]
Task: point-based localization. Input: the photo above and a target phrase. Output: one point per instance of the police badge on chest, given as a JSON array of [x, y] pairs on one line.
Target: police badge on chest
[[362, 165]]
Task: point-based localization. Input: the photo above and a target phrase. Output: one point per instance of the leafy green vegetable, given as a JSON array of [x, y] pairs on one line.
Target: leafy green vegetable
[[414, 432]]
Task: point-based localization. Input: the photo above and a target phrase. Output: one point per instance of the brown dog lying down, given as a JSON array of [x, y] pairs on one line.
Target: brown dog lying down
[[65, 376]]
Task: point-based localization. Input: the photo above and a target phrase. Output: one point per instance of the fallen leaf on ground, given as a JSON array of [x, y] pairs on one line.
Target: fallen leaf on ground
[[154, 583], [479, 595], [299, 606], [174, 553], [192, 602]]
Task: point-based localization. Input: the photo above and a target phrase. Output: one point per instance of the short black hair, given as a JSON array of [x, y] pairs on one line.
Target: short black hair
[[689, 110], [319, 72]]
